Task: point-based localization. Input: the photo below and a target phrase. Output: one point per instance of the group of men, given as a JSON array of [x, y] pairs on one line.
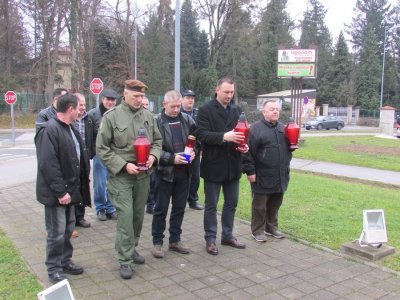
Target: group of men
[[175, 180]]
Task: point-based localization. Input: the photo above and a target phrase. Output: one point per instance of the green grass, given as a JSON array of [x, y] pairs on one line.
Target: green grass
[[16, 281], [364, 151], [21, 122], [328, 211]]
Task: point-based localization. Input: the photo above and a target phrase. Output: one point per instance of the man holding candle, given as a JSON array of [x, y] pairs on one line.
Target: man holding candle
[[127, 185], [267, 165], [173, 174], [220, 165]]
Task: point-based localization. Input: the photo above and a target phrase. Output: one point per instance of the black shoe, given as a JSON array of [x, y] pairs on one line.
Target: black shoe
[[112, 216], [126, 271], [137, 258], [150, 210], [102, 215], [83, 223], [73, 269], [195, 206], [57, 277]]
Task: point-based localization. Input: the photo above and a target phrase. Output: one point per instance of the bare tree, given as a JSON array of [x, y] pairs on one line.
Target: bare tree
[[217, 13]]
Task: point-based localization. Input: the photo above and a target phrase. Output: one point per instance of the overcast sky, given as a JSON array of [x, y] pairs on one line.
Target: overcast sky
[[340, 12]]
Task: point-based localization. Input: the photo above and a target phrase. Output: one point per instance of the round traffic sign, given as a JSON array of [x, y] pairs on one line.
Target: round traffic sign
[[96, 86], [10, 97]]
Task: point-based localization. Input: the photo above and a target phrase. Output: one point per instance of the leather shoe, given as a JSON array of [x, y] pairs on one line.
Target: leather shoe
[[195, 206], [57, 277], [234, 243], [211, 248], [179, 247], [73, 269], [83, 223]]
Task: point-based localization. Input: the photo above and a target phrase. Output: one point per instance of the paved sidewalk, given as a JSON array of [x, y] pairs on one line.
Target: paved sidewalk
[[383, 176], [278, 269]]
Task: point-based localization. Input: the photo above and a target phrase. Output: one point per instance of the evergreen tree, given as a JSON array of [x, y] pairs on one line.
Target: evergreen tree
[[371, 18], [370, 15], [338, 74], [235, 58], [194, 52], [273, 31], [157, 53], [369, 68], [108, 58], [315, 32]]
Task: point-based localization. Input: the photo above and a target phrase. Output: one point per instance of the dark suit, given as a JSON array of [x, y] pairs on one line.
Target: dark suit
[[220, 166]]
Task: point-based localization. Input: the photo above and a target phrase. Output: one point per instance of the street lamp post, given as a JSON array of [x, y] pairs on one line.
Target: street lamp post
[[383, 67]]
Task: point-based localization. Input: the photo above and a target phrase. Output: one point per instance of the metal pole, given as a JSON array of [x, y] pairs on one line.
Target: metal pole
[[177, 46], [12, 125], [97, 100], [135, 49], [383, 68]]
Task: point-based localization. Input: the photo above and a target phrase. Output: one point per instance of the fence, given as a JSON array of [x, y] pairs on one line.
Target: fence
[[33, 103]]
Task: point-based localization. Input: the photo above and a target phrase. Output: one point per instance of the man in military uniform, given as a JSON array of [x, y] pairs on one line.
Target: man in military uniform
[[127, 185]]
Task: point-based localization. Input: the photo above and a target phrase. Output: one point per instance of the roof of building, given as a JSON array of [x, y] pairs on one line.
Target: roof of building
[[285, 94]]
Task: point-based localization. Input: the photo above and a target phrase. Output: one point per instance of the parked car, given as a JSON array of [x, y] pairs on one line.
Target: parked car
[[325, 122]]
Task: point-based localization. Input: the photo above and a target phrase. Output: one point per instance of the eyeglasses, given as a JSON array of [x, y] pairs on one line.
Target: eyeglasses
[[110, 99]]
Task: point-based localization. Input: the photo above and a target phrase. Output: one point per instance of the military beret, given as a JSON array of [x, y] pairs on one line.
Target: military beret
[[135, 85]]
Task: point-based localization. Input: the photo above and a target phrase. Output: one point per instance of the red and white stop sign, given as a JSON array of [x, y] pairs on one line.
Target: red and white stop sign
[[10, 97], [96, 86]]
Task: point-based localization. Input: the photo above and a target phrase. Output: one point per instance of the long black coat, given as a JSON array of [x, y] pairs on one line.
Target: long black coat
[[220, 161], [59, 169]]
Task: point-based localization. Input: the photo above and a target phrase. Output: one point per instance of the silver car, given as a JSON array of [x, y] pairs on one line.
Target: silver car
[[325, 122]]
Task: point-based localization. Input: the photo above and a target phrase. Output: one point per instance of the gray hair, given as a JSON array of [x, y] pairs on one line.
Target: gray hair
[[172, 96]]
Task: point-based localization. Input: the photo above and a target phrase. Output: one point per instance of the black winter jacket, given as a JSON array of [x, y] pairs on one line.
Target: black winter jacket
[[269, 158], [59, 169], [165, 168], [44, 115], [220, 161], [97, 115], [90, 136]]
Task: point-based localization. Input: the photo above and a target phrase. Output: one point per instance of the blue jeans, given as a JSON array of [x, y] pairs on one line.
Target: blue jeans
[[60, 222], [100, 197], [231, 194]]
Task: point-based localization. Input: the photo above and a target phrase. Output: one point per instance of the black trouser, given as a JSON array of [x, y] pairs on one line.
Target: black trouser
[[151, 200], [194, 181], [212, 191], [177, 192], [79, 212]]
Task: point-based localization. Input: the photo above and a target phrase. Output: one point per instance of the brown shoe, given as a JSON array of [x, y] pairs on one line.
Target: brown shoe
[[211, 248], [234, 243], [75, 234], [157, 251], [179, 247]]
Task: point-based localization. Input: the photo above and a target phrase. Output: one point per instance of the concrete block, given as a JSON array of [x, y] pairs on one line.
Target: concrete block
[[370, 253]]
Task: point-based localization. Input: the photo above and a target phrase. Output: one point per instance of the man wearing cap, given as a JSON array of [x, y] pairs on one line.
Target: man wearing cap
[[188, 108], [104, 208], [127, 185]]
